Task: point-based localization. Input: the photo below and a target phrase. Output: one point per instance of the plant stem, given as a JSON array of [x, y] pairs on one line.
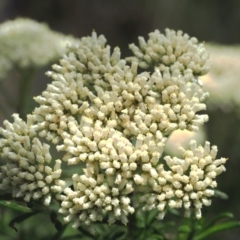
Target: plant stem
[[192, 233]]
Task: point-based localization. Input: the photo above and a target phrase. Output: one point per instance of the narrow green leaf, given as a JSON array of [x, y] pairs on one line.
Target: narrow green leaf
[[15, 206], [155, 237], [21, 218], [72, 237], [217, 228], [174, 211], [140, 222], [85, 232], [114, 232], [220, 194], [119, 235], [151, 216], [159, 228], [223, 215], [184, 229], [123, 237]]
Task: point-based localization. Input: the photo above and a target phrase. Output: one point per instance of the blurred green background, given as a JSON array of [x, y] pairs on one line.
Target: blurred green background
[[211, 21]]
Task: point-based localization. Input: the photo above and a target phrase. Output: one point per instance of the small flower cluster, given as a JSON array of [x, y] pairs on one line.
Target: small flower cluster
[[188, 183], [25, 43], [174, 49], [27, 171], [112, 123]]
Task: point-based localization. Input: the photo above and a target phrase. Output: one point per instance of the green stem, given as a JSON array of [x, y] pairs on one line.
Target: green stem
[[192, 233]]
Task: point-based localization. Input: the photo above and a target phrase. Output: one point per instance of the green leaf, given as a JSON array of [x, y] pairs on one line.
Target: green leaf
[[140, 220], [184, 229], [160, 227], [217, 228], [111, 232], [85, 232], [22, 218], [15, 206], [173, 211], [119, 235], [220, 194], [72, 237], [151, 216], [155, 237], [223, 215]]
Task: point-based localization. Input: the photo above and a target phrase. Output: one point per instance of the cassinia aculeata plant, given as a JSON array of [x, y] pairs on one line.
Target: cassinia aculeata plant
[[111, 116]]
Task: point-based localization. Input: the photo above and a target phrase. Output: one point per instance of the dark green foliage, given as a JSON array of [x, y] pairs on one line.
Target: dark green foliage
[[142, 225]]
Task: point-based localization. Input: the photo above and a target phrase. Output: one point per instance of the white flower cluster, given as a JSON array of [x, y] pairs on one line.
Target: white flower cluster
[[104, 115], [28, 171], [26, 43], [188, 183], [174, 49]]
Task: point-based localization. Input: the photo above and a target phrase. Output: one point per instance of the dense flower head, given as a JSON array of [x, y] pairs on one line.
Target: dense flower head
[[25, 43], [27, 171], [112, 122], [188, 183], [175, 50]]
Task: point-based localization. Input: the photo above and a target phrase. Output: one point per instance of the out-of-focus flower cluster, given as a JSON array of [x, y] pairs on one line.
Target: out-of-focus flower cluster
[[115, 119], [25, 43], [181, 138], [223, 81]]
